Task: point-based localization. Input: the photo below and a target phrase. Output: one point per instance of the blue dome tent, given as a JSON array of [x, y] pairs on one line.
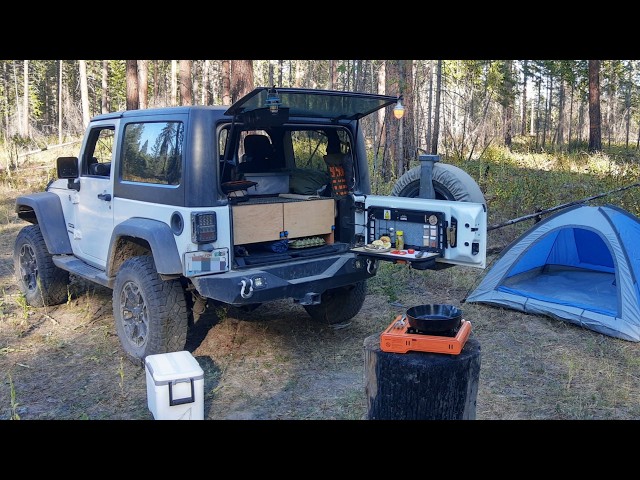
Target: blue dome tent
[[580, 265]]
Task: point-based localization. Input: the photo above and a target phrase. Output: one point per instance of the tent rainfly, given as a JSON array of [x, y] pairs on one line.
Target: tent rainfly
[[580, 265]]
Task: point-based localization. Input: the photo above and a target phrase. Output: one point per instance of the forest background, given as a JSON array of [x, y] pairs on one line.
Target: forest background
[[456, 108]]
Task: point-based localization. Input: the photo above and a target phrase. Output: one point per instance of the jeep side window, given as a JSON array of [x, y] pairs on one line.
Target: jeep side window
[[97, 158], [153, 152]]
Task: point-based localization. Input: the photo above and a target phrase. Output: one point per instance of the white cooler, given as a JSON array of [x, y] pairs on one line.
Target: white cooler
[[175, 386]]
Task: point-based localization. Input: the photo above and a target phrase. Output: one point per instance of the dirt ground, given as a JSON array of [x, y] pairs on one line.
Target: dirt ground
[[65, 362]]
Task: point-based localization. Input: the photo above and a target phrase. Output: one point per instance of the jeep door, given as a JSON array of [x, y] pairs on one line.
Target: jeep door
[[93, 211]]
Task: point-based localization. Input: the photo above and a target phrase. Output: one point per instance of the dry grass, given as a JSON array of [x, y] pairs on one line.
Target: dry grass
[[65, 362]]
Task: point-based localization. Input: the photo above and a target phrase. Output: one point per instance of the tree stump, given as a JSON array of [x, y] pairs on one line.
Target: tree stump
[[421, 385]]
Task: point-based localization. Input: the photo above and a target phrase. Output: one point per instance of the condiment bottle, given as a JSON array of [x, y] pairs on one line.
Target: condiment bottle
[[399, 240]]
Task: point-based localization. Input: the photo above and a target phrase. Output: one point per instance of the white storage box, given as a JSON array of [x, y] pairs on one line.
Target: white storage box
[[269, 183], [175, 386]]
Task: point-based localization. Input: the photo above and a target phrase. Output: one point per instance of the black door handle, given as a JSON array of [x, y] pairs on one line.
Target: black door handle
[[105, 196]]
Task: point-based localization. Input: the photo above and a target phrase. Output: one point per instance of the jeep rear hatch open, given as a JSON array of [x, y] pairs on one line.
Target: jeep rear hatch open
[[329, 104]]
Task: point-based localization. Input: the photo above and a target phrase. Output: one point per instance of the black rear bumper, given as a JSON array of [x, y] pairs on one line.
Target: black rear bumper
[[302, 280]]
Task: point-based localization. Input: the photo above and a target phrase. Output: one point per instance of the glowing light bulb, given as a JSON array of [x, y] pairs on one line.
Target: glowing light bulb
[[398, 110]]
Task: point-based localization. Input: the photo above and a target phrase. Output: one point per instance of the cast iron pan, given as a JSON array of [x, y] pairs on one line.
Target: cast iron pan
[[228, 187], [434, 317]]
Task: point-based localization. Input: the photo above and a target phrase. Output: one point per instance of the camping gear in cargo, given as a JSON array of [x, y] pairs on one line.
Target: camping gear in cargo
[[237, 191], [175, 386], [435, 328], [307, 181], [268, 183]]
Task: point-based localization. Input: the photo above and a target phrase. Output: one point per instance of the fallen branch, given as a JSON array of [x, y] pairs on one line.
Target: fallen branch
[[47, 147]]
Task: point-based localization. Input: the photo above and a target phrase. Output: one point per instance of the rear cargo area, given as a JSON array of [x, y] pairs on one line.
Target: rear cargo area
[[270, 229]]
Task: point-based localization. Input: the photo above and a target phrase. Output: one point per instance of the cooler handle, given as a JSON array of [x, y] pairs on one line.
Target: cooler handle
[[181, 401]]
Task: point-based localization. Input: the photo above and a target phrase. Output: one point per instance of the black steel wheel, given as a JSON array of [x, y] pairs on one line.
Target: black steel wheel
[[151, 314], [39, 280]]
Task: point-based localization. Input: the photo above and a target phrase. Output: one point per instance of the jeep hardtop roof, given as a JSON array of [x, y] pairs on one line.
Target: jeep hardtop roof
[[158, 111]]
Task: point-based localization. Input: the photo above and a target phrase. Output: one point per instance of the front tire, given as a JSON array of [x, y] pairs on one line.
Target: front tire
[[151, 314], [449, 182], [339, 305], [39, 280]]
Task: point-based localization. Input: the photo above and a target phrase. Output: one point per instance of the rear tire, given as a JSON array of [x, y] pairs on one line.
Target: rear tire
[[339, 305], [150, 313], [39, 280], [449, 182]]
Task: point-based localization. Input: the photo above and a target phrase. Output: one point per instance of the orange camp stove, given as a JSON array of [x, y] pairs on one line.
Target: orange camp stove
[[400, 337]]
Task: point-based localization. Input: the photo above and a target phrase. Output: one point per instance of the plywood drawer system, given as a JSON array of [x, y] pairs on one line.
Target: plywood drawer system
[[253, 223]]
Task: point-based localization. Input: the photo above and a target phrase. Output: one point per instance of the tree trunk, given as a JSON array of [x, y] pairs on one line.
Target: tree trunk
[[421, 385], [104, 99], [333, 75], [133, 102], [271, 82], [186, 84], [547, 113], [301, 73], [570, 115], [429, 107], [25, 99], [241, 78], [5, 109], [84, 93], [174, 83], [60, 136], [533, 131], [143, 83], [156, 82], [627, 107], [610, 103], [206, 87], [525, 77], [226, 82], [392, 141], [436, 115], [595, 119], [560, 137], [509, 97], [580, 120], [195, 82], [408, 139]]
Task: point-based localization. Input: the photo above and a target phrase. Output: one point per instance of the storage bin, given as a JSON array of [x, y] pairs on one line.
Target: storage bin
[[269, 183], [175, 386]]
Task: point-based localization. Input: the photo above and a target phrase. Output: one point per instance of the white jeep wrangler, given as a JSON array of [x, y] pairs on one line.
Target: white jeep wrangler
[[267, 199]]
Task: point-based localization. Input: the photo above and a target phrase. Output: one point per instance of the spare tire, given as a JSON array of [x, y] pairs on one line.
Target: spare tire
[[449, 182]]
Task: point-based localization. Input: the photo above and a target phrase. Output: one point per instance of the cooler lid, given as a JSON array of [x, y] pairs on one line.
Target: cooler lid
[[166, 367]]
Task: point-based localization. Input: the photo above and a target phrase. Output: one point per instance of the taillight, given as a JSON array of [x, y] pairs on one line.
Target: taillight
[[203, 227]]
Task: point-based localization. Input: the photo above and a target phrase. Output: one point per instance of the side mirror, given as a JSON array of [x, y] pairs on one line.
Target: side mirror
[[68, 168]]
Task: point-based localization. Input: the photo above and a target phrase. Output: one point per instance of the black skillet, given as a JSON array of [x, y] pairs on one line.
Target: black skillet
[[434, 317]]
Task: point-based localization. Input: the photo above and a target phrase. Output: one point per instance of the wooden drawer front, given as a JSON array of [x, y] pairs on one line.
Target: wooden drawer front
[[313, 217], [256, 223]]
